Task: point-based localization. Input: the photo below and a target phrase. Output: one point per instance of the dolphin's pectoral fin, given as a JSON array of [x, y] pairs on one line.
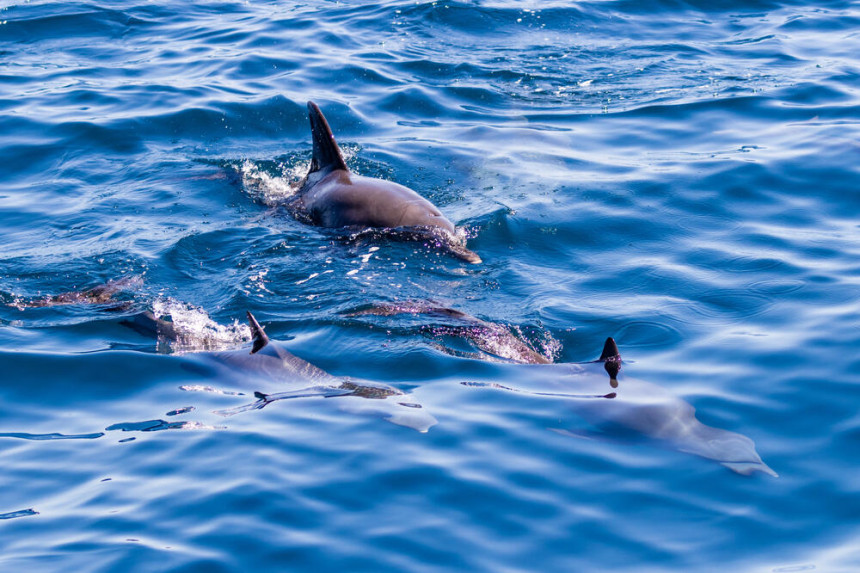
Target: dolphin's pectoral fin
[[260, 338], [258, 405], [419, 421], [599, 434], [327, 154], [264, 400]]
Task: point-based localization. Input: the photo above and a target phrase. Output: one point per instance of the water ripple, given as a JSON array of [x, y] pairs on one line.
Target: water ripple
[[52, 436], [680, 176]]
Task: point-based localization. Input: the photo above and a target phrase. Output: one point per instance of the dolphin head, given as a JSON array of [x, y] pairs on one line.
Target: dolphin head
[[735, 451]]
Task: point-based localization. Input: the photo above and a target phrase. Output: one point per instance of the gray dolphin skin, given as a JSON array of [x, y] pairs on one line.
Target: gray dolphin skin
[[269, 365], [617, 403], [610, 404], [640, 406], [493, 340], [332, 196], [100, 294]]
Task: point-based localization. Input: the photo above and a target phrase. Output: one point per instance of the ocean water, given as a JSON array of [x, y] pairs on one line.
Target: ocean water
[[681, 176]]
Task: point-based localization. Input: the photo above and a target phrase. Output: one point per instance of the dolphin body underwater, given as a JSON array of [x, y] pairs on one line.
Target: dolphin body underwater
[[629, 404], [330, 195], [623, 404], [270, 365], [644, 408]]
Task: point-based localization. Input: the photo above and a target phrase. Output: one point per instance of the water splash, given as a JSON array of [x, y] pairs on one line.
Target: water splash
[[275, 183], [271, 189], [194, 331]]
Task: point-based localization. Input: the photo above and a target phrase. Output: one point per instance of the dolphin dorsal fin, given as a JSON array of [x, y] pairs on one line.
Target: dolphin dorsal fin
[[260, 338], [327, 154], [611, 359], [610, 350]]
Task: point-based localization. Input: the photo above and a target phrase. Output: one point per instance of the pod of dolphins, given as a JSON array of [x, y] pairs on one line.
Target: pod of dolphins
[[330, 195]]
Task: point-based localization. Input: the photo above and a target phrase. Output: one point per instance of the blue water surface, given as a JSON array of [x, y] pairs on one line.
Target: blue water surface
[[679, 175]]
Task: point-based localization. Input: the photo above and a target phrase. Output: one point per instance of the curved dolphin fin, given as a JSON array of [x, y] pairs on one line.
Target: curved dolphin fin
[[260, 338], [611, 359], [327, 155], [610, 350]]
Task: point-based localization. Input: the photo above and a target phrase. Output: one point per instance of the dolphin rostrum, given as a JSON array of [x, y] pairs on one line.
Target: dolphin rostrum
[[331, 195]]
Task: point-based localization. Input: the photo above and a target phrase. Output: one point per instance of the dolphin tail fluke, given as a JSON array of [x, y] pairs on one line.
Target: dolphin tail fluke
[[327, 154], [260, 338]]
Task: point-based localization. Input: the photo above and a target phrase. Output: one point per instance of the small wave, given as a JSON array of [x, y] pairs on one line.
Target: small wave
[[158, 425], [645, 333], [180, 411], [19, 513], [51, 436], [209, 389], [731, 304]]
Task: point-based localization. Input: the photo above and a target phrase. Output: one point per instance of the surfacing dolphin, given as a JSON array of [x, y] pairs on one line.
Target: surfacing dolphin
[[622, 404], [331, 195], [270, 365]]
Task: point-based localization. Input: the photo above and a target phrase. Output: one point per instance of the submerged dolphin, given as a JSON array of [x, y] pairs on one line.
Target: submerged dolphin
[[270, 365], [624, 403], [493, 340], [645, 408], [100, 294], [331, 195]]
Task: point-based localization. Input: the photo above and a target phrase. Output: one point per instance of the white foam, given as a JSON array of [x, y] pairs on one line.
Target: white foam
[[270, 189], [195, 331]]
